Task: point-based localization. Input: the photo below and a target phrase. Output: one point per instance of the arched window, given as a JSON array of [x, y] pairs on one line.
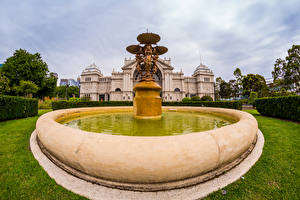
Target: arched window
[[117, 90], [177, 90]]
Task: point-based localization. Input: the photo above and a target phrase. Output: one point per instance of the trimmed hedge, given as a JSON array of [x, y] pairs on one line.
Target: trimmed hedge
[[12, 107], [286, 107], [219, 104], [56, 105]]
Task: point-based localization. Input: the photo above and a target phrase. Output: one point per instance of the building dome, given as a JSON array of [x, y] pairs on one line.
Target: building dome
[[92, 68], [202, 68]]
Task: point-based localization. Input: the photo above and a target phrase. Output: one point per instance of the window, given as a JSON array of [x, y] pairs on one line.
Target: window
[[88, 79], [117, 90], [128, 97], [177, 90], [206, 79], [124, 98]]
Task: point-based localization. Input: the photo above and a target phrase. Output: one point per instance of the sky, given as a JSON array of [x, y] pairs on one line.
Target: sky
[[224, 35]]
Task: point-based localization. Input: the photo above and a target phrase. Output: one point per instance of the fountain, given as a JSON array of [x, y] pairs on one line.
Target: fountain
[[181, 155], [147, 102]]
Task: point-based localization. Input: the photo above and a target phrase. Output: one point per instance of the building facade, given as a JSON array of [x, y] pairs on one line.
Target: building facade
[[69, 82], [119, 86]]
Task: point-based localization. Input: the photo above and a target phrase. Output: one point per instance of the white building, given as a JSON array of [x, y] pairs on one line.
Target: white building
[[119, 86]]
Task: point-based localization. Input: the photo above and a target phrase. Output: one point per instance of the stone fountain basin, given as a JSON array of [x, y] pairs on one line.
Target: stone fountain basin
[[145, 163]]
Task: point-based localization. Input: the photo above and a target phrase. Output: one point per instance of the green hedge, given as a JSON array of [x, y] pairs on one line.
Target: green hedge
[[219, 104], [56, 105], [287, 107], [17, 107]]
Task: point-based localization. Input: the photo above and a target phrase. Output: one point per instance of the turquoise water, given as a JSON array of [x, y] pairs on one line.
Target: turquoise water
[[171, 123]]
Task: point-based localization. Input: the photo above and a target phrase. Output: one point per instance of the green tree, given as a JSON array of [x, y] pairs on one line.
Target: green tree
[[238, 86], [225, 90], [26, 88], [234, 88], [219, 80], [25, 66], [61, 91], [4, 84], [288, 70], [254, 83], [48, 87]]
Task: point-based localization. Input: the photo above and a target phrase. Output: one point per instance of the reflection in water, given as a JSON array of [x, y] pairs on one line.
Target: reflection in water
[[172, 123]]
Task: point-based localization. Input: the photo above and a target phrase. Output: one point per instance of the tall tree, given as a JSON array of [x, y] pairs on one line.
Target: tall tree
[[254, 83], [288, 70], [225, 90], [4, 84], [238, 86], [25, 66], [26, 88]]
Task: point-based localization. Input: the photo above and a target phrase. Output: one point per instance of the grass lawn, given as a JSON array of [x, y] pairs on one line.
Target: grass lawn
[[275, 176]]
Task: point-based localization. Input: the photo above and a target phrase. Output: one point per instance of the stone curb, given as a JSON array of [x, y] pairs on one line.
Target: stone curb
[[94, 191]]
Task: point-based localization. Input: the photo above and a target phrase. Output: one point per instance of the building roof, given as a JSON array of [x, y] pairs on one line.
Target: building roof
[[202, 68], [92, 68]]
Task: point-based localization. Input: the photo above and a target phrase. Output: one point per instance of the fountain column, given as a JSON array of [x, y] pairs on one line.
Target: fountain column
[[147, 102]]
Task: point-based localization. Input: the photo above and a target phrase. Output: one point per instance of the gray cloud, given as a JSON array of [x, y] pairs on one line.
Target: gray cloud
[[227, 34]]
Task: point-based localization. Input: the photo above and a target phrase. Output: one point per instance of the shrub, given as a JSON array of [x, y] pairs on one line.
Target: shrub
[[186, 99], [219, 104], [12, 107], [56, 105], [252, 97], [195, 98], [74, 99], [287, 107], [47, 104], [206, 98]]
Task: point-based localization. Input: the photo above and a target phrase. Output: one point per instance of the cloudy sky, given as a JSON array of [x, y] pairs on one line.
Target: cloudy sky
[[72, 34]]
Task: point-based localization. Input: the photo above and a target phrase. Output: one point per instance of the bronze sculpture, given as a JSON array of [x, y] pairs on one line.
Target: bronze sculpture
[[147, 102]]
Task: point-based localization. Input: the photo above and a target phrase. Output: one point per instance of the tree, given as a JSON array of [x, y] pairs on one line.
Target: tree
[[237, 87], [72, 90], [48, 87], [234, 87], [25, 66], [254, 83], [26, 88], [4, 84], [225, 90], [219, 80], [288, 70]]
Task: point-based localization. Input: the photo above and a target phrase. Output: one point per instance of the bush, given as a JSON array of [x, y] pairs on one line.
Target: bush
[[47, 104], [287, 107], [195, 98], [186, 99], [12, 107], [56, 105], [252, 97], [206, 98], [74, 99], [219, 104]]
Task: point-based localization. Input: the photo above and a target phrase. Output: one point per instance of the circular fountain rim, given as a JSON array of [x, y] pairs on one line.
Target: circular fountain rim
[[165, 109], [166, 165]]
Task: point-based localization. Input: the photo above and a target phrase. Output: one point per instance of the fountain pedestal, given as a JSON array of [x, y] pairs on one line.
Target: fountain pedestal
[[147, 102]]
